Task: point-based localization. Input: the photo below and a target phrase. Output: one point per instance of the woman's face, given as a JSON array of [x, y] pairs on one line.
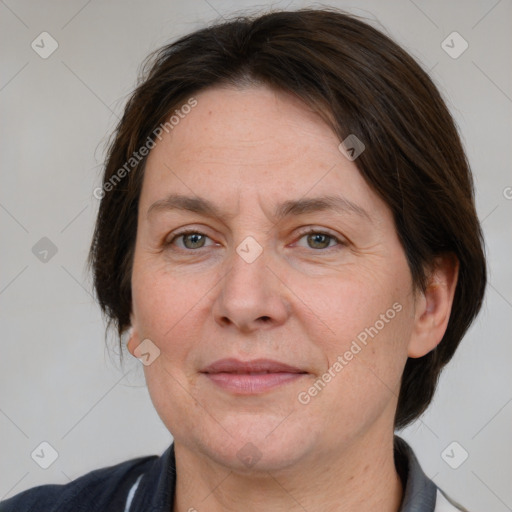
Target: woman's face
[[250, 283]]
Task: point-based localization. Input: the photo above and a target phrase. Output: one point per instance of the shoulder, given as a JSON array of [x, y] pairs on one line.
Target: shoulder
[[102, 489]]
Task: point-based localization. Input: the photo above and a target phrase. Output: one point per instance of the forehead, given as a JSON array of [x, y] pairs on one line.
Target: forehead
[[251, 140], [231, 123]]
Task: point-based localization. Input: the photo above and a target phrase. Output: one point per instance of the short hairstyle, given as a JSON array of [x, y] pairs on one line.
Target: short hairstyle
[[361, 83]]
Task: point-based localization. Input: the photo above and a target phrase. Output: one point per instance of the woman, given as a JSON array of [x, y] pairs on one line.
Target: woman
[[287, 239]]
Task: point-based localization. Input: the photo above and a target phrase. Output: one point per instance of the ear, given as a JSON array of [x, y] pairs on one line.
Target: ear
[[433, 306], [133, 341]]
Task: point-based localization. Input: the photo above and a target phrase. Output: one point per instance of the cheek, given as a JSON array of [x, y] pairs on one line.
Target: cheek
[[347, 306], [163, 303], [362, 374], [363, 322], [164, 310], [170, 310]]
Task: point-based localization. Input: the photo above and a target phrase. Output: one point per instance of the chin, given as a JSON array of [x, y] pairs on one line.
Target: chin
[[259, 446]]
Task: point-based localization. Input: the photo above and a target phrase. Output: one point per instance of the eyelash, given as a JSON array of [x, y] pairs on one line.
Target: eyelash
[[302, 234]]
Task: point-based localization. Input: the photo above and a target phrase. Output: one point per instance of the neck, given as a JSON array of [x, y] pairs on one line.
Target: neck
[[360, 478]]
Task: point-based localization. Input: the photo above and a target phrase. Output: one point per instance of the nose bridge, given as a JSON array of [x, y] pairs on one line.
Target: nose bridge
[[250, 294]]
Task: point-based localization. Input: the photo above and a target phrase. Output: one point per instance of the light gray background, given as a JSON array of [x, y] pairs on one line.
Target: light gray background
[[58, 381]]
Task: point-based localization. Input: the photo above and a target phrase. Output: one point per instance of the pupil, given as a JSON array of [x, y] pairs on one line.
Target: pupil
[[194, 238]]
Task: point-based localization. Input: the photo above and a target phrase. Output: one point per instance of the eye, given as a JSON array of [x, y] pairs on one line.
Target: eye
[[190, 240], [320, 240], [316, 239]]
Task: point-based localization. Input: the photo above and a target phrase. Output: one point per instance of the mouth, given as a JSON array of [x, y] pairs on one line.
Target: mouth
[[251, 377]]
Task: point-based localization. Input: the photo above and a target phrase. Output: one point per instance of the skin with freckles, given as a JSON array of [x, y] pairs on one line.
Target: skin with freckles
[[322, 278]]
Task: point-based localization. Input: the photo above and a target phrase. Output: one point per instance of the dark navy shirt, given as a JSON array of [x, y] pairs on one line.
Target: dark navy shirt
[[147, 484]]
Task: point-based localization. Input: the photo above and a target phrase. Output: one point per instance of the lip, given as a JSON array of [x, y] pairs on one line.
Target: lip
[[251, 377], [232, 365]]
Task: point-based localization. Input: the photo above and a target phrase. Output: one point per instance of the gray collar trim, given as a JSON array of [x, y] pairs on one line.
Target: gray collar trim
[[419, 490]]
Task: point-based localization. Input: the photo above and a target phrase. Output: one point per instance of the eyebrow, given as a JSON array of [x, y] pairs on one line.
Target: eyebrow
[[288, 208]]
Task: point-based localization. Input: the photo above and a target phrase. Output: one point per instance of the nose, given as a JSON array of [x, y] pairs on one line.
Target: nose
[[252, 295]]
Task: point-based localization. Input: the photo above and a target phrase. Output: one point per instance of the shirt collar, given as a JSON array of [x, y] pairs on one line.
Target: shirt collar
[[419, 490]]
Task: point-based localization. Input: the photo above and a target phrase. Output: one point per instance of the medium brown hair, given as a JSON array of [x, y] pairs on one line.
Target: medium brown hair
[[362, 83]]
